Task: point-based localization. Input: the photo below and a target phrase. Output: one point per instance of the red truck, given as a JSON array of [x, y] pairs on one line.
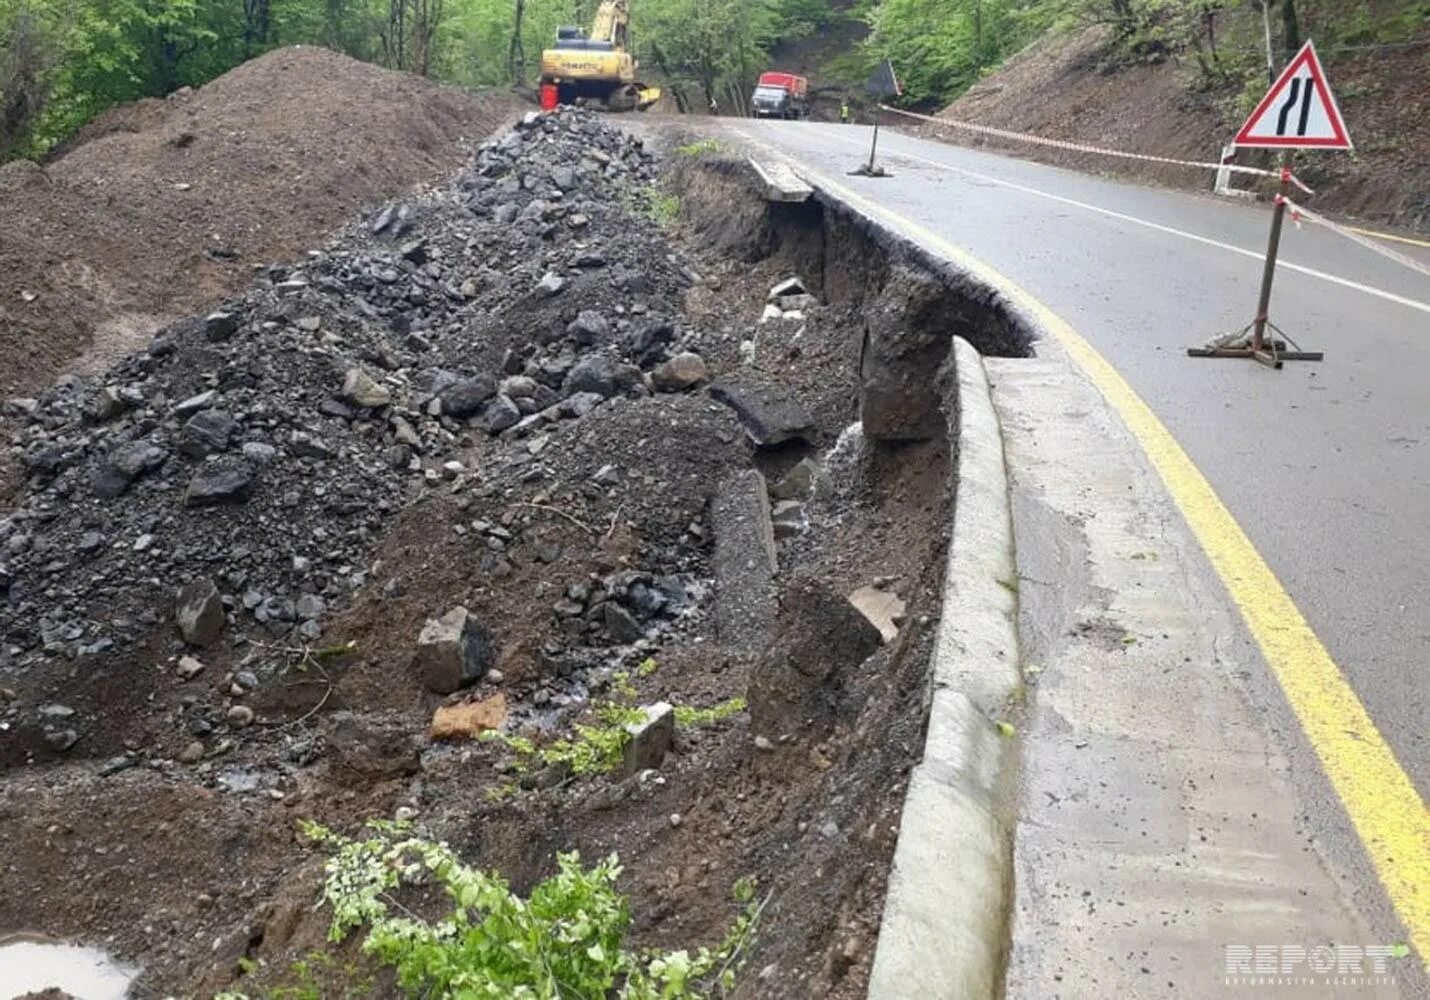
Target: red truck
[[781, 95]]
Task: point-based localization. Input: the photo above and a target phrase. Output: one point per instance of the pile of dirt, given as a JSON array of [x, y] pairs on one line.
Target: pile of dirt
[[161, 207], [1074, 87], [515, 395]]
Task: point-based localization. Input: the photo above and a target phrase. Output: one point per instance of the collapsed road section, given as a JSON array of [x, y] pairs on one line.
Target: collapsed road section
[[535, 513]]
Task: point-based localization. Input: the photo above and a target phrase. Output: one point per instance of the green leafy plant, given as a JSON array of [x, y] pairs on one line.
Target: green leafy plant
[[598, 748], [660, 207], [688, 715], [700, 147], [565, 941]]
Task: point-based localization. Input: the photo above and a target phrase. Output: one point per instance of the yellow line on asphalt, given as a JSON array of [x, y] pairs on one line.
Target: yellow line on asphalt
[[1390, 236], [1387, 812]]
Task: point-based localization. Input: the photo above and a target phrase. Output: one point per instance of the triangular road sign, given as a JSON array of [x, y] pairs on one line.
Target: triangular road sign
[[1298, 112]]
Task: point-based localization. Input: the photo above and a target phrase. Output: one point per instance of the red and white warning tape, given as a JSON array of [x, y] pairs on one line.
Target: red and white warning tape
[[1079, 147], [1299, 213]]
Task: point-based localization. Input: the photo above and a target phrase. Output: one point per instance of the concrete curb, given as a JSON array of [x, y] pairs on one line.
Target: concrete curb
[[943, 934]]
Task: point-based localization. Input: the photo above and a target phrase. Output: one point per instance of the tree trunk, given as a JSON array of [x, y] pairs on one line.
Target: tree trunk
[[1290, 28], [516, 54]]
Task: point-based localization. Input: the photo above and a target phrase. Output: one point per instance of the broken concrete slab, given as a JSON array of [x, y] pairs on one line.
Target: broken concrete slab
[[768, 415], [786, 288], [649, 739], [452, 651], [745, 561], [787, 518], [883, 608], [798, 482]]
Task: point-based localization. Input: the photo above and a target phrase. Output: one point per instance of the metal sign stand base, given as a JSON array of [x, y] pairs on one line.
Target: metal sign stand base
[[1251, 341], [870, 169], [1270, 353]]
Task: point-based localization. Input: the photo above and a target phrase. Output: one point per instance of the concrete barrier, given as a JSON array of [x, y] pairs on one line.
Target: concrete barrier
[[944, 929]]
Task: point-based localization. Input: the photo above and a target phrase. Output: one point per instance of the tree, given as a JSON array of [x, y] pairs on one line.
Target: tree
[[27, 55]]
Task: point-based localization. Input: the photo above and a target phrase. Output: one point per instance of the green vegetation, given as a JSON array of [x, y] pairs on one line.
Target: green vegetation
[[942, 47], [565, 941], [63, 61], [598, 748], [700, 147], [688, 715], [663, 208]]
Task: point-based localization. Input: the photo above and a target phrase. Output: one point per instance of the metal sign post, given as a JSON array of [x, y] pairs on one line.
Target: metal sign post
[[1271, 352], [1298, 112], [883, 84]]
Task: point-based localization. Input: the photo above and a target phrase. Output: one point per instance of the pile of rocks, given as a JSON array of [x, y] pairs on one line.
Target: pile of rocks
[[249, 457]]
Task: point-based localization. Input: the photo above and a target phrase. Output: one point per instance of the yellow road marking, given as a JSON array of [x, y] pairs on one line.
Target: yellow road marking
[[1390, 236], [1387, 812]]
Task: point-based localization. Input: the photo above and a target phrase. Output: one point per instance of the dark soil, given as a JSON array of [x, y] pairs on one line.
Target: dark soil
[[188, 868]]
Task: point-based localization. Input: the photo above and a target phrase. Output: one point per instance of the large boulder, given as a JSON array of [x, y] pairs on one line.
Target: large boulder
[[219, 482], [452, 652], [361, 389], [199, 613], [684, 371], [207, 432], [601, 375], [125, 464], [464, 397], [649, 739]]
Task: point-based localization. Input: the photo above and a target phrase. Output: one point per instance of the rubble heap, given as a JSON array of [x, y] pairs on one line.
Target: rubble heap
[[249, 457]]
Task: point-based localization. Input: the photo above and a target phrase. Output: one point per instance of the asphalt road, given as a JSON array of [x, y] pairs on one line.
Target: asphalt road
[[1326, 466]]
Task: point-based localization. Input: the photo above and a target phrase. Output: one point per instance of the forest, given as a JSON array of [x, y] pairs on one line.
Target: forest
[[64, 61]]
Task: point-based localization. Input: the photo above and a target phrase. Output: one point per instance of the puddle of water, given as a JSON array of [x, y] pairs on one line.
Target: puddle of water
[[29, 965]]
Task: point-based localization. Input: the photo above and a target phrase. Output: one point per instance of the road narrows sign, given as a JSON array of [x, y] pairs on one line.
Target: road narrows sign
[[1298, 112]]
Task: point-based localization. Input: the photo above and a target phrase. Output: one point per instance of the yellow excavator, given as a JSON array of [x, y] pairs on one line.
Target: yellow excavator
[[597, 69]]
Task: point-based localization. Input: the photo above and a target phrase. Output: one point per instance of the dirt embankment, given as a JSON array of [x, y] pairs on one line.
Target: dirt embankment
[[1072, 88], [521, 395], [165, 206]]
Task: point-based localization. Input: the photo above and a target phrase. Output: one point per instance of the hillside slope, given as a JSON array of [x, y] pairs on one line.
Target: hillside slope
[[1069, 87], [164, 206]]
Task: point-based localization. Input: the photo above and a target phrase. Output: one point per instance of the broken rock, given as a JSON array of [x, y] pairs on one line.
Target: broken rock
[[198, 611], [124, 465], [452, 651], [769, 417], [589, 327], [207, 432], [790, 286], [219, 482], [685, 370], [601, 375], [361, 389], [469, 719], [465, 397]]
